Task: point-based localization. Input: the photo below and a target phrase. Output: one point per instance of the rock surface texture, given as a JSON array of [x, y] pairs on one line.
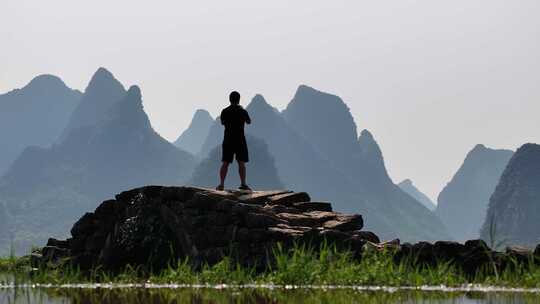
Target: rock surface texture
[[153, 225]]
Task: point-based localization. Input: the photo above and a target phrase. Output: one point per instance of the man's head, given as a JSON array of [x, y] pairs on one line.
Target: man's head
[[234, 98]]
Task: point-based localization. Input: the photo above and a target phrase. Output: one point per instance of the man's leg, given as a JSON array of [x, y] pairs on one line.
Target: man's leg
[[242, 172], [227, 155], [223, 174], [242, 157]]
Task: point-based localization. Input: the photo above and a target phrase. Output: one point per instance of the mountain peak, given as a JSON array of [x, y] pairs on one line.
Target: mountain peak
[[192, 139], [258, 98], [134, 93], [104, 80], [408, 187], [201, 118], [372, 155], [45, 81], [479, 148], [406, 182], [258, 104], [368, 143], [304, 90], [462, 203], [529, 147], [311, 111], [202, 113], [480, 153], [103, 91], [131, 101], [366, 135], [128, 114], [103, 73]]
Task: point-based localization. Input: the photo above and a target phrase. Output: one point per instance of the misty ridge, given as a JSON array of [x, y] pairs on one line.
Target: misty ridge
[[63, 152]]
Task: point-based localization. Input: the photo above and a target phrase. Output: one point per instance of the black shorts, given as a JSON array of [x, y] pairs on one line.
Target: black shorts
[[230, 148]]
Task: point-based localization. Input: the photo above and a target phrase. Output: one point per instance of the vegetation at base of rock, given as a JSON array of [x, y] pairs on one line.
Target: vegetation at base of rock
[[298, 266]]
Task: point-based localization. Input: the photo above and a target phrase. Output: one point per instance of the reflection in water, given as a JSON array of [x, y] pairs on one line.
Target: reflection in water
[[259, 296]]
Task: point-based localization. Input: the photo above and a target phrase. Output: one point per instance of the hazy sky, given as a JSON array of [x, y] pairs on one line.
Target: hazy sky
[[429, 78]]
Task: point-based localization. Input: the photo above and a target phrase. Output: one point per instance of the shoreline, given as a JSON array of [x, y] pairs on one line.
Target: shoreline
[[389, 289]]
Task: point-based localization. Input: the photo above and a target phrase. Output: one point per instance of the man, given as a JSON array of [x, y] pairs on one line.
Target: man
[[234, 117]]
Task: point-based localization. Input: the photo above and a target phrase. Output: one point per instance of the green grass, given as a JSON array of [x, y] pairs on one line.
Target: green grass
[[299, 266], [14, 264]]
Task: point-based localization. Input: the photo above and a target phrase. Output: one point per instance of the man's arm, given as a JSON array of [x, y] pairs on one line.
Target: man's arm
[[248, 119], [222, 117]]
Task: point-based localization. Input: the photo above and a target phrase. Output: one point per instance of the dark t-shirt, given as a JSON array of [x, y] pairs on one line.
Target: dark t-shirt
[[234, 117]]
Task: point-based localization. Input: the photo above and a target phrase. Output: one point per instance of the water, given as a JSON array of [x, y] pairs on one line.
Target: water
[[157, 294]]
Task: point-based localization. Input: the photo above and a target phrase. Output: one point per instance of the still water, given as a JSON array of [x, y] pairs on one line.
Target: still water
[[92, 294]]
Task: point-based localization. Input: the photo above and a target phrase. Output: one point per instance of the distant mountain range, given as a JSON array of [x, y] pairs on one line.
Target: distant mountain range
[[47, 189], [462, 204], [75, 149], [513, 216], [34, 115], [408, 187]]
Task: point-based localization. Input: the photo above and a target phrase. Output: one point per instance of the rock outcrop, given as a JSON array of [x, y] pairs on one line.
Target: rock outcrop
[[154, 225], [471, 256], [513, 216], [150, 227], [462, 204], [408, 187]]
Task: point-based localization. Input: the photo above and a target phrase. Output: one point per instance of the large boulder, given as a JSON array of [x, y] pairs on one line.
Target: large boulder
[[154, 225]]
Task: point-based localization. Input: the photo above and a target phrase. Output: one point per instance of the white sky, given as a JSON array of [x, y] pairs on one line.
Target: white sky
[[429, 78]]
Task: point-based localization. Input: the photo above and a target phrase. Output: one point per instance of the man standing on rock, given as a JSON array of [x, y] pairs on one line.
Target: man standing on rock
[[234, 117]]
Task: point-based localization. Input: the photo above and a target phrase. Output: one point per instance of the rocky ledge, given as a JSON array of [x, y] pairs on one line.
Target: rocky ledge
[[154, 225]]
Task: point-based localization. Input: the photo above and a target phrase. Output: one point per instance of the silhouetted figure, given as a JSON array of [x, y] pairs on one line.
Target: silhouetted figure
[[234, 117]]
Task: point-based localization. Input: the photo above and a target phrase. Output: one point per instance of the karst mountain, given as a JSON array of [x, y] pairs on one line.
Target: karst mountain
[[462, 204], [513, 215]]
